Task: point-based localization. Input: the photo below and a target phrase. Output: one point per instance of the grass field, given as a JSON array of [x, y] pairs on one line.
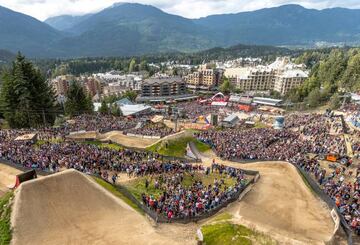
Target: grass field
[[104, 145], [5, 212], [118, 194], [177, 148], [137, 186], [226, 233]]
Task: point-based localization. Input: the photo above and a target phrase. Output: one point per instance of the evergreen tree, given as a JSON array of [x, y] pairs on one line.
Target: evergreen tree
[[143, 66], [104, 109], [26, 99], [77, 102], [115, 110], [226, 87], [132, 65], [314, 98]]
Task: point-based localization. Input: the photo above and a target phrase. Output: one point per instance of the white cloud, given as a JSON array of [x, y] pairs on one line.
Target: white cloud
[[42, 9]]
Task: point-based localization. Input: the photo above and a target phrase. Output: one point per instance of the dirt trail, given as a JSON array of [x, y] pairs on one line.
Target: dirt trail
[[281, 205], [70, 208], [7, 177]]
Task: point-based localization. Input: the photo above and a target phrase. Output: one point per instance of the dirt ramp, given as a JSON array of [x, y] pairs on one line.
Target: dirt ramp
[[69, 208]]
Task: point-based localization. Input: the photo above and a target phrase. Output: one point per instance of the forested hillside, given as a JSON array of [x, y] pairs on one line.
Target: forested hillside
[[333, 74]]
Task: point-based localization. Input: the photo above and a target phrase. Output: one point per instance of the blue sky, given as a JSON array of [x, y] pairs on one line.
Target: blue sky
[[41, 9]]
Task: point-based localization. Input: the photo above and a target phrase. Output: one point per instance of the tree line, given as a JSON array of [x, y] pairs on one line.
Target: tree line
[[333, 74]]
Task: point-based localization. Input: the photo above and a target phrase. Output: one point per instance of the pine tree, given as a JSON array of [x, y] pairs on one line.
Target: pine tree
[[26, 99], [104, 109], [115, 110], [77, 102], [132, 65]]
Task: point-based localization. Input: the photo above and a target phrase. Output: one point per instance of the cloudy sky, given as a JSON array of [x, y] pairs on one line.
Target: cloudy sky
[[41, 9]]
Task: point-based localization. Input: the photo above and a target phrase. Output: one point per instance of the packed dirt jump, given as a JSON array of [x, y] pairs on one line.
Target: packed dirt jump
[[7, 177], [70, 208], [281, 205]]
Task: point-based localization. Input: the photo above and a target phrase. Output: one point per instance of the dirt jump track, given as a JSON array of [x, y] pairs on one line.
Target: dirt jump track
[[70, 208]]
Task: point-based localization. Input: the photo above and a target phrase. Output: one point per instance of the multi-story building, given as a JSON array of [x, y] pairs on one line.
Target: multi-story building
[[159, 89], [92, 86], [288, 80], [251, 79], [281, 76], [61, 84], [203, 79], [124, 82]]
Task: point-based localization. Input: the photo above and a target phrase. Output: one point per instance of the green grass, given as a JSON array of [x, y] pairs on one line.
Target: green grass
[[137, 187], [118, 194], [260, 125], [104, 145], [226, 233], [206, 179], [202, 147], [5, 212], [177, 148], [5, 125]]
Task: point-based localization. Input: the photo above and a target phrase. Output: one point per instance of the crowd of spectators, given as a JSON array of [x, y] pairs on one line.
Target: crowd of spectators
[[180, 201], [193, 110], [253, 144], [342, 185], [152, 129], [98, 122]]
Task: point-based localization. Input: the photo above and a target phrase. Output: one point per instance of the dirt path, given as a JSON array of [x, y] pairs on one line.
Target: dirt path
[[281, 205], [69, 208], [7, 177]]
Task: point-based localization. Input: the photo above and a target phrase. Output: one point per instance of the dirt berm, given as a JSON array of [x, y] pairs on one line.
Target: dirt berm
[[70, 208]]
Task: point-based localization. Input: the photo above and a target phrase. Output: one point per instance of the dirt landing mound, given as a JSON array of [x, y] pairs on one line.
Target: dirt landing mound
[[128, 141], [69, 208], [7, 177], [281, 205]]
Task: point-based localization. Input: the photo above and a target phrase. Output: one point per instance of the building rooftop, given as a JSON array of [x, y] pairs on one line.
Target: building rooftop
[[156, 80], [294, 73], [128, 110], [124, 101], [231, 119], [267, 101]]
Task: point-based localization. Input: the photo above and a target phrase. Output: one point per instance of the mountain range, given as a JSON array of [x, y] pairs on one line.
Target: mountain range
[[128, 29]]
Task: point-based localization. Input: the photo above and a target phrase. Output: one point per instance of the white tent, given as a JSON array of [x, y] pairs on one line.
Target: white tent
[[129, 110]]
